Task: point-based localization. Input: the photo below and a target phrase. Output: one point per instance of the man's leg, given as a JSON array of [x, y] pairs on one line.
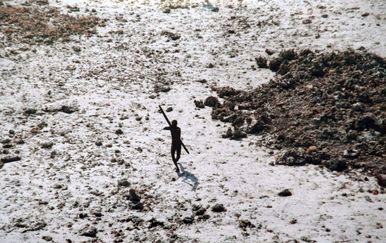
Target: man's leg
[[178, 152], [173, 151]]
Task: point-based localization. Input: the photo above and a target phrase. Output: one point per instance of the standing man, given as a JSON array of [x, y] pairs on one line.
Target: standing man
[[176, 142]]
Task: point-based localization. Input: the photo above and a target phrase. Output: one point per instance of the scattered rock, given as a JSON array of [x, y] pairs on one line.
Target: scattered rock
[[338, 165], [10, 158], [123, 183], [169, 109], [153, 222], [88, 231], [244, 224], [188, 220], [171, 35], [285, 193], [199, 104], [211, 101], [218, 208], [261, 62], [47, 238], [119, 132], [381, 179], [133, 196], [47, 145]]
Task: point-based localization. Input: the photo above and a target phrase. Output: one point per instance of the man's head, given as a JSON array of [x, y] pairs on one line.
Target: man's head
[[174, 123]]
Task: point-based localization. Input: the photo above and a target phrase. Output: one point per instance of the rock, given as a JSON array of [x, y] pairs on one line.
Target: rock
[[10, 158], [285, 193], [218, 208], [211, 101], [188, 220], [199, 104], [261, 62], [167, 10], [274, 64], [307, 21], [169, 109], [30, 111], [98, 143], [47, 238], [88, 231], [47, 145], [351, 153], [381, 179], [338, 165], [269, 52], [76, 48], [365, 14], [244, 224], [171, 35], [227, 92], [215, 9], [311, 149], [201, 211], [6, 141], [119, 132], [123, 183], [238, 134], [67, 109], [153, 222], [133, 196]]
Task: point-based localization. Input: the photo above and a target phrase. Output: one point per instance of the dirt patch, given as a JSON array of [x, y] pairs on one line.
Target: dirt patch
[[326, 108], [43, 25]]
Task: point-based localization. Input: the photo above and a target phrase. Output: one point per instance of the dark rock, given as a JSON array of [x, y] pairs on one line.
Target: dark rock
[[381, 179], [274, 64], [169, 109], [188, 220], [123, 183], [285, 193], [10, 158], [215, 9], [227, 92], [218, 208], [351, 153], [47, 145], [244, 224], [211, 101], [269, 52], [6, 141], [47, 238], [119, 132], [199, 104], [261, 62], [98, 143], [153, 222], [88, 231], [171, 35], [338, 165], [133, 196], [30, 111], [68, 109]]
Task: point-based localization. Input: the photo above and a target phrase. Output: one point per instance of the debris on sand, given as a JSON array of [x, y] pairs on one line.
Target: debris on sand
[[37, 25], [218, 208], [88, 231], [324, 108], [285, 193]]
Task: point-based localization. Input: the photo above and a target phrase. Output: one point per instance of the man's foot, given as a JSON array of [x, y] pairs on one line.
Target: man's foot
[[177, 170]]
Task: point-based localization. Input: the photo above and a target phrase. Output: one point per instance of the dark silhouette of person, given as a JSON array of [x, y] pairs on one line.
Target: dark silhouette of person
[[176, 142]]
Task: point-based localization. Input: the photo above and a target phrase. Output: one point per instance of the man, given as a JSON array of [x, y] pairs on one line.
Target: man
[[176, 142]]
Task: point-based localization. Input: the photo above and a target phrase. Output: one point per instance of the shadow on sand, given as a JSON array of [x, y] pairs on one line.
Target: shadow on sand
[[188, 178]]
